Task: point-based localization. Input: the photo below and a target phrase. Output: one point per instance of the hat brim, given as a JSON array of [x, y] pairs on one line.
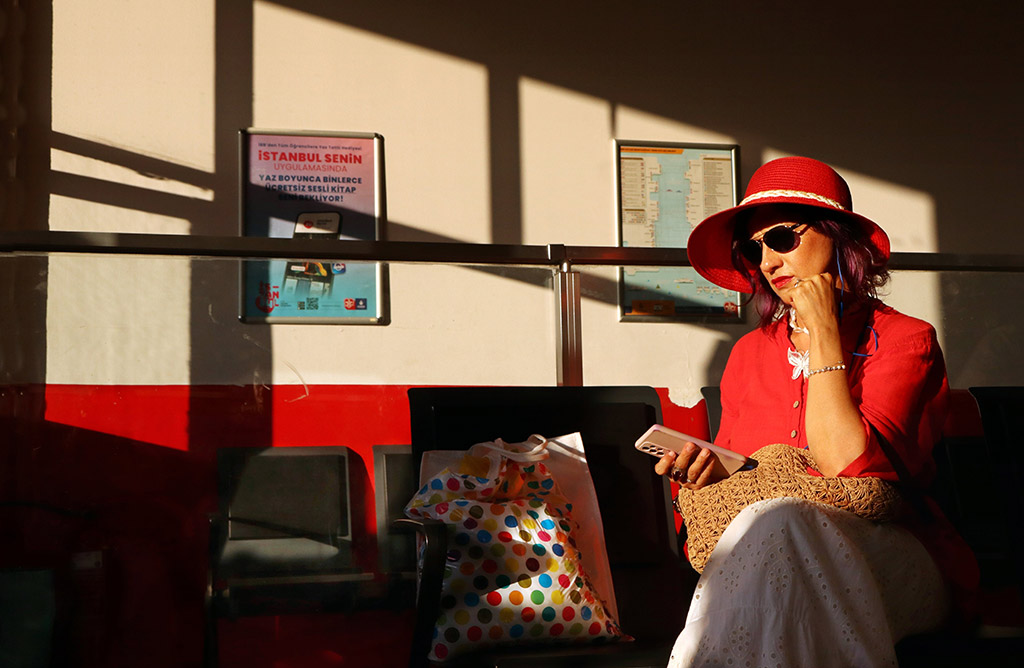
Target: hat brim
[[709, 247]]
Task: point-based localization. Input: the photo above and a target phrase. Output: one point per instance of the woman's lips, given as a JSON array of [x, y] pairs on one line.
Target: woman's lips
[[781, 281]]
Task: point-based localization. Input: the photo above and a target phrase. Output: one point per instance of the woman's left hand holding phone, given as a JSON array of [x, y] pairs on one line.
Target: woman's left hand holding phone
[[691, 468]]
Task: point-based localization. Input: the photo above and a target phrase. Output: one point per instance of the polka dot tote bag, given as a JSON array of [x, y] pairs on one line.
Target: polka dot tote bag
[[514, 572]]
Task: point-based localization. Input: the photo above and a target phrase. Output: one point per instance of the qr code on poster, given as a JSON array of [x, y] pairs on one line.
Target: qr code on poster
[[313, 303]]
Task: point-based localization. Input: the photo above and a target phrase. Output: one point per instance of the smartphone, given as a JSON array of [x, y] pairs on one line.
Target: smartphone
[[659, 439]]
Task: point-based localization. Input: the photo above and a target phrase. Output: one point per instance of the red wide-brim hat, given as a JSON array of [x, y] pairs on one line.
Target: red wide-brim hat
[[792, 180]]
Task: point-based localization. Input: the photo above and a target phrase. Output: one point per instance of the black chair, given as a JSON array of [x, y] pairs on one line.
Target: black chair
[[281, 540], [979, 487], [394, 484], [652, 581], [713, 404], [396, 548], [1002, 416]]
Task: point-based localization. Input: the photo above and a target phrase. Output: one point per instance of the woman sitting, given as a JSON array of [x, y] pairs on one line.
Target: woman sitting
[[833, 370]]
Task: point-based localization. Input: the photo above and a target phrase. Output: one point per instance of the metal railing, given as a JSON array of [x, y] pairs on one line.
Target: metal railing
[[560, 258], [553, 255]]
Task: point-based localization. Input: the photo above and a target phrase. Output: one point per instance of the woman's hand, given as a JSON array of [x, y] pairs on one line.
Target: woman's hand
[[835, 431], [691, 468], [814, 299]]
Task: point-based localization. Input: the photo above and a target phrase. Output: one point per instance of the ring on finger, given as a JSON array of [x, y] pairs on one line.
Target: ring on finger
[[679, 476]]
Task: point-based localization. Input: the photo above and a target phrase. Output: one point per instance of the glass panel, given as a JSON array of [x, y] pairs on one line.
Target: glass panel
[[89, 331], [979, 324], [681, 355], [978, 331], [124, 378]]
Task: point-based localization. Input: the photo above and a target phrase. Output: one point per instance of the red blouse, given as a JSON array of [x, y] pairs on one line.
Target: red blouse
[[898, 383]]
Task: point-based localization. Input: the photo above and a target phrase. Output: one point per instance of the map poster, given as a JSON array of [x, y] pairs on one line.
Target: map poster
[[308, 185], [663, 191]]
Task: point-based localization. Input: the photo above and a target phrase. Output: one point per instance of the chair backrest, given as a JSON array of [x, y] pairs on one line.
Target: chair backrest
[[394, 485], [650, 576], [286, 510], [713, 404], [1002, 416], [963, 487]]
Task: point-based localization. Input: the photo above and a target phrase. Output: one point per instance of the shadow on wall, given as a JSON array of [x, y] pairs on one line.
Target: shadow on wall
[[927, 93], [906, 99]]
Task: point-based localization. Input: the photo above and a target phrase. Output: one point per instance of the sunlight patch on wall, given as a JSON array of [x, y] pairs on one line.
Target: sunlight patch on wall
[[115, 319], [564, 140], [311, 73], [151, 415], [137, 75], [80, 165], [451, 325], [71, 214]]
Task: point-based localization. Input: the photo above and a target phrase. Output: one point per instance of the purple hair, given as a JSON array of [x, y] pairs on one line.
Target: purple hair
[[862, 268]]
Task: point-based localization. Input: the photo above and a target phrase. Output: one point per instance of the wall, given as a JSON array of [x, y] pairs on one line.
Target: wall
[[498, 127]]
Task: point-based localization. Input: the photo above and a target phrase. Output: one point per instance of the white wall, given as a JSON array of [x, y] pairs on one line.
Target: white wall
[[496, 125]]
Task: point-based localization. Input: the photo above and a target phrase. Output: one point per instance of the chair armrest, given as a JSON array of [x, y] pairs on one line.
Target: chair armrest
[[428, 590]]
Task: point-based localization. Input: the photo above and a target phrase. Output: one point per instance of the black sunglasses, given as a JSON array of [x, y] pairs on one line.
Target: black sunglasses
[[781, 239]]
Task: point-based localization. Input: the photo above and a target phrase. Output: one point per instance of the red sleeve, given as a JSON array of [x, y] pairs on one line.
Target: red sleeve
[[901, 390]]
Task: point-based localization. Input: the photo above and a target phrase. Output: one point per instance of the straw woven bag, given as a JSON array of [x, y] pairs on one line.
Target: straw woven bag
[[781, 472]]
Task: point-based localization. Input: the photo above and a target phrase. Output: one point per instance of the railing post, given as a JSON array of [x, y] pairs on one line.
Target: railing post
[[569, 331]]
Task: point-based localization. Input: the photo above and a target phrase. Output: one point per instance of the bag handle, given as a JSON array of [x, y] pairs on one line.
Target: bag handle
[[538, 453], [912, 491]]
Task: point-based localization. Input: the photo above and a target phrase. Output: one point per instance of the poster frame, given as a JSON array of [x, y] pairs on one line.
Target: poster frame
[[731, 310], [373, 229]]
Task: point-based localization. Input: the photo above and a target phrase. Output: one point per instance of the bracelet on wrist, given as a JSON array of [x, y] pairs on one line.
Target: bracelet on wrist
[[835, 367]]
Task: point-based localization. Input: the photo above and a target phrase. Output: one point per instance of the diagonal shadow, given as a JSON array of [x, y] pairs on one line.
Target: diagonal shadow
[[140, 163]]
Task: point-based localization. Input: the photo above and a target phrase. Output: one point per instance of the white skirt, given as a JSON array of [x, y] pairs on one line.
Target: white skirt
[[793, 583]]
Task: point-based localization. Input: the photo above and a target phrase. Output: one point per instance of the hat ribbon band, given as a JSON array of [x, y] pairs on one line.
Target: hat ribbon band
[[793, 193]]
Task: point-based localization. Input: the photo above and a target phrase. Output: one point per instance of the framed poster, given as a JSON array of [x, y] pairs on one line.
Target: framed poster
[[662, 191], [308, 185]]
